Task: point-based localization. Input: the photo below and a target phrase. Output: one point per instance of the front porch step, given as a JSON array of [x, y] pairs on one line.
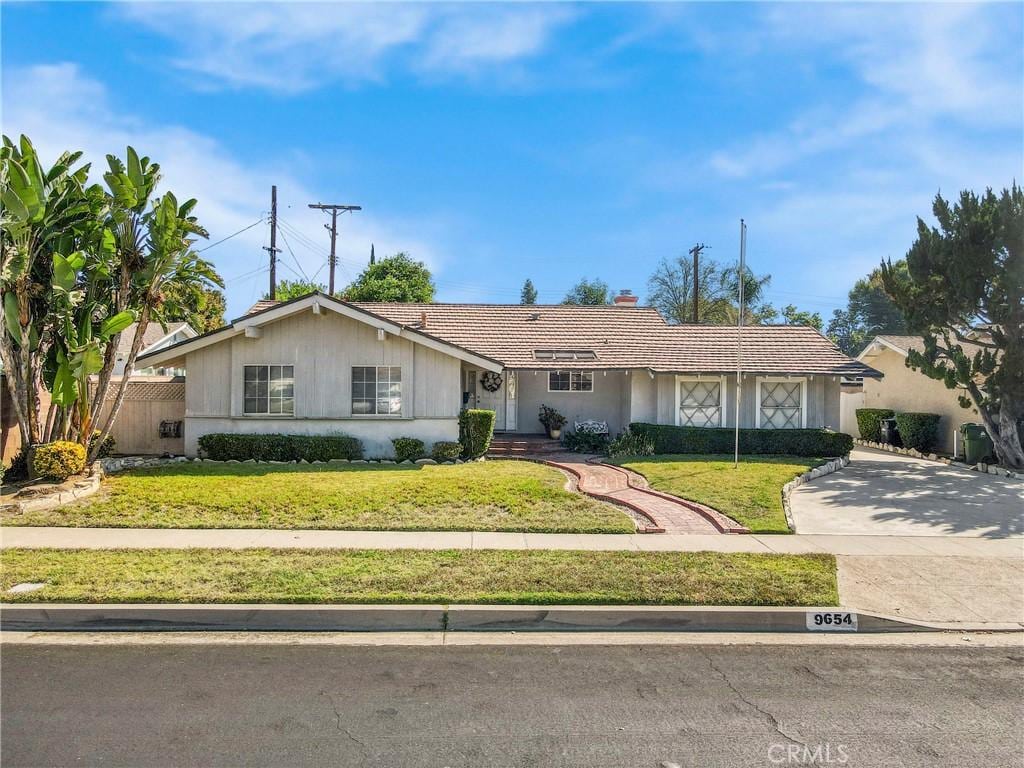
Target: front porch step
[[523, 445]]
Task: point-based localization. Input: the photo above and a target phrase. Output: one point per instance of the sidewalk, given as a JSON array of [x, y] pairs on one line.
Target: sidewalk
[[241, 538]]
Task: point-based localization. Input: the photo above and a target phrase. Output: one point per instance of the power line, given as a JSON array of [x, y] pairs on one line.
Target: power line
[[290, 251], [335, 209], [260, 220]]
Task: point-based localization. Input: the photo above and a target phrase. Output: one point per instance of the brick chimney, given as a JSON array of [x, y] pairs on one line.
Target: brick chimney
[[625, 299]]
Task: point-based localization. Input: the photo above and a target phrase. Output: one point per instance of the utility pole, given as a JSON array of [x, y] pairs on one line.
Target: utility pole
[[273, 249], [696, 250], [334, 209]]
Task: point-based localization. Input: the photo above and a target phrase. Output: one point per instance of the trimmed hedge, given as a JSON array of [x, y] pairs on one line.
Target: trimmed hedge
[[918, 430], [867, 422], [791, 442], [446, 450], [408, 448], [476, 428], [59, 460], [222, 446]]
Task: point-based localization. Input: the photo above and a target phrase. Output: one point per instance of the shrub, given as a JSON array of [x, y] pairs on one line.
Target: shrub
[[550, 418], [221, 446], [18, 468], [59, 460], [792, 442], [446, 450], [476, 428], [408, 448], [107, 448], [631, 443], [918, 430], [582, 441], [867, 422]]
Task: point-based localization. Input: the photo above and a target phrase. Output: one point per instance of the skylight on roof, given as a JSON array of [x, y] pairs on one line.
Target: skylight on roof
[[564, 354]]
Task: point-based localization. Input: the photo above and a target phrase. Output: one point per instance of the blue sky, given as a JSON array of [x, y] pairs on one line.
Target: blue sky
[[549, 141]]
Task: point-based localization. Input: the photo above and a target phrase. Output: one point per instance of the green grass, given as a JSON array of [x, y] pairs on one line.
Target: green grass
[[479, 496], [415, 576], [750, 495]]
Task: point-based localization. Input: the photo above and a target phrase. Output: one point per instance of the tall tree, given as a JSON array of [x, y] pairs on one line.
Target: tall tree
[[292, 289], [529, 294], [589, 293], [79, 265], [670, 290], [794, 316], [396, 278], [869, 312], [963, 293], [201, 307]]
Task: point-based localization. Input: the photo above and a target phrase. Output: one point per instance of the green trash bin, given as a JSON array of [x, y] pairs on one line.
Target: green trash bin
[[977, 444]]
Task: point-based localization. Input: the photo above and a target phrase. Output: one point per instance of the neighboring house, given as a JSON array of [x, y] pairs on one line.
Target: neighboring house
[[376, 371], [155, 338], [904, 389]]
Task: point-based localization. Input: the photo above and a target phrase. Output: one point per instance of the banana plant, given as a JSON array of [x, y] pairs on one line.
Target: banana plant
[[45, 214]]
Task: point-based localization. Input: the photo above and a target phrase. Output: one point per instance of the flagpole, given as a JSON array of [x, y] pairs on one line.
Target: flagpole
[[739, 339]]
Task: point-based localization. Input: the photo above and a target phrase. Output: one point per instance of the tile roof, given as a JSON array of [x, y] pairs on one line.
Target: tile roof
[[262, 304], [152, 335], [620, 337], [906, 343]]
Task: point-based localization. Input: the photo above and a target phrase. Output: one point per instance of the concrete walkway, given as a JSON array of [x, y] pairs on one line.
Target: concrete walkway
[[887, 494], [620, 486], [241, 538]]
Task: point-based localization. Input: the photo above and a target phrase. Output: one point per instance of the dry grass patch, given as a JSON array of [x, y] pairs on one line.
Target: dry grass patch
[[416, 576]]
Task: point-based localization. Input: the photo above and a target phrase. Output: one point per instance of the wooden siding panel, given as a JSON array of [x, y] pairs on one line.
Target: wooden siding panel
[[209, 368]]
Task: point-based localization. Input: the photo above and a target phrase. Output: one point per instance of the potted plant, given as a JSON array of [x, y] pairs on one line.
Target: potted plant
[[552, 420]]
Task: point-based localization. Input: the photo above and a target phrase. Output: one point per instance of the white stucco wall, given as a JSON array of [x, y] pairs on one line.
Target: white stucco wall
[[904, 389]]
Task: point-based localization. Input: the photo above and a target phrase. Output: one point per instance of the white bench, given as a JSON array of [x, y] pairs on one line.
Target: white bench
[[593, 427]]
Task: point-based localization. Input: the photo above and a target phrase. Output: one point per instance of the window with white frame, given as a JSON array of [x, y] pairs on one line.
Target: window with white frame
[[700, 402], [376, 390], [570, 381], [781, 403], [269, 389]]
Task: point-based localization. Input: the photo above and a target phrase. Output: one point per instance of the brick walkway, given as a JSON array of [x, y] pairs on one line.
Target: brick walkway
[[666, 513]]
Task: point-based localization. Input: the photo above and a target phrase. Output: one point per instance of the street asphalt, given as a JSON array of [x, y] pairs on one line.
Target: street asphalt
[[659, 706]]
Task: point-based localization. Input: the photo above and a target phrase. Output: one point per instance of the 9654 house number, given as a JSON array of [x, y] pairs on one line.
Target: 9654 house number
[[831, 621]]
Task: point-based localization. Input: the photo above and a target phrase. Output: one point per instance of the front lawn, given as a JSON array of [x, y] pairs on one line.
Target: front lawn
[[750, 495], [479, 496], [416, 576]]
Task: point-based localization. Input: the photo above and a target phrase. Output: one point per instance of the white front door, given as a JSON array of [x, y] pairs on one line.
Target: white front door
[[511, 404], [492, 401]]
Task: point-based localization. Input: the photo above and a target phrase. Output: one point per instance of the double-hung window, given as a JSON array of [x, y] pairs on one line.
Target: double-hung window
[[269, 389], [700, 402], [570, 381], [376, 390]]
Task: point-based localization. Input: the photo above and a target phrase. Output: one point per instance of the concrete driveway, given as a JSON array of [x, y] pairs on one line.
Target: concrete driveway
[[886, 494]]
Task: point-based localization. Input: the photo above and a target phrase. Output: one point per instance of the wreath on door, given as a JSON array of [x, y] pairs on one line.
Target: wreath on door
[[491, 381]]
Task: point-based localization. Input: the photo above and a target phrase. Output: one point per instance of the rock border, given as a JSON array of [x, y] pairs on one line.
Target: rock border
[[812, 474], [990, 469], [41, 499]]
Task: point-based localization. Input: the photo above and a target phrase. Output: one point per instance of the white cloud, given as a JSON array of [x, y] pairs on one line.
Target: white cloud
[[292, 47], [921, 67], [60, 108]]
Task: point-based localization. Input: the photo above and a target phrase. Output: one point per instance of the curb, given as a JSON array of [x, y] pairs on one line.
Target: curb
[[69, 617]]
